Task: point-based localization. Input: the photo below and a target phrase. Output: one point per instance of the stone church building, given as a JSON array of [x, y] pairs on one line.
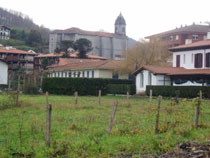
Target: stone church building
[[109, 45]]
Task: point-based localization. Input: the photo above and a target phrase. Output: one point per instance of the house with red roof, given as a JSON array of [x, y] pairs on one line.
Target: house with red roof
[[86, 68], [191, 66], [17, 59], [182, 35]]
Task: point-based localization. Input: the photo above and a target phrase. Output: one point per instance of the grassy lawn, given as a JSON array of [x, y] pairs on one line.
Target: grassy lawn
[[80, 130]]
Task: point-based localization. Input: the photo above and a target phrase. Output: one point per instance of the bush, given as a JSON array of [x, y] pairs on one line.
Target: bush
[[84, 86], [30, 89], [121, 88], [183, 91]]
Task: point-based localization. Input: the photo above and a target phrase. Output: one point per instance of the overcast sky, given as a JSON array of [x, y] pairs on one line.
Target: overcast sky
[[143, 17]]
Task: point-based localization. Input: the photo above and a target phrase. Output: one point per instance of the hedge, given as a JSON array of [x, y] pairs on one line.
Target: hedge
[[84, 86], [121, 88], [181, 91]]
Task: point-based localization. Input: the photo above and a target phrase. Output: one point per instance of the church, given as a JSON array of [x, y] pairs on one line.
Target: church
[[108, 45]]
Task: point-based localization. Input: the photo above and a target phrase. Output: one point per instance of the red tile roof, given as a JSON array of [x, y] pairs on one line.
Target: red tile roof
[[191, 72], [88, 64], [172, 71], [157, 69], [204, 43], [71, 55], [15, 51], [75, 30], [185, 29], [65, 61], [49, 55]]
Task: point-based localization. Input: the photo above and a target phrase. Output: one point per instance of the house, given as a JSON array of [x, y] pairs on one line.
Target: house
[[3, 73], [183, 35], [108, 45], [4, 32], [87, 68], [191, 66], [17, 59]]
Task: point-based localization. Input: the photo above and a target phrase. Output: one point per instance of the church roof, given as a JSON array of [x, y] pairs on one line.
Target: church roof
[[120, 20], [75, 30]]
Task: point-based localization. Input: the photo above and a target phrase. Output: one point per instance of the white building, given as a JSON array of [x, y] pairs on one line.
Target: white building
[[191, 66], [4, 32], [3, 73], [87, 68]]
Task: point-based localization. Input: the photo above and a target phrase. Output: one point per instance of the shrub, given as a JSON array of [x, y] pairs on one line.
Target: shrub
[[121, 88], [84, 86], [182, 91]]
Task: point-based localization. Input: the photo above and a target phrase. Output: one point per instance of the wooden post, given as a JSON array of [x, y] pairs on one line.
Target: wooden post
[[150, 97], [17, 98], [48, 124], [18, 86], [201, 95], [76, 97], [197, 112], [99, 97], [158, 115], [127, 98], [47, 103], [114, 109]]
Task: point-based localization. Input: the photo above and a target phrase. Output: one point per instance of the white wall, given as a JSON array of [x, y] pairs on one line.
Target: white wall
[[189, 58], [155, 80], [3, 73]]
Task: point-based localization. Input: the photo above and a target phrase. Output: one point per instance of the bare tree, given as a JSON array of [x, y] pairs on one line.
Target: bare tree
[[145, 53]]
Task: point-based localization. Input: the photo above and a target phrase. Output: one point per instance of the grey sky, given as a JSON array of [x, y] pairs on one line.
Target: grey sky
[[143, 17]]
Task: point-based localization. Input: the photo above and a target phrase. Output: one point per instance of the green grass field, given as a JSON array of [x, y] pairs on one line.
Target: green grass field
[[80, 130]]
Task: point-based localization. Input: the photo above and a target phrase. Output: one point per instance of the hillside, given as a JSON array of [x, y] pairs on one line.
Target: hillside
[[19, 22]]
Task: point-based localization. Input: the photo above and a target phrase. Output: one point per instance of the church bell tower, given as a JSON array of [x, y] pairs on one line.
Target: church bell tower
[[120, 25]]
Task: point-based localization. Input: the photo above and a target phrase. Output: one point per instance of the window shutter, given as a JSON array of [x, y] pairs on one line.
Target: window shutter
[[207, 59], [201, 60], [196, 60], [178, 61]]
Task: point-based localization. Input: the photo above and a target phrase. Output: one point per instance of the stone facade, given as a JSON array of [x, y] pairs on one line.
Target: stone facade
[[109, 45]]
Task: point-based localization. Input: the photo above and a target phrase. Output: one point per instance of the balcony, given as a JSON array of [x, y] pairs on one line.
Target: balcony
[[12, 58]]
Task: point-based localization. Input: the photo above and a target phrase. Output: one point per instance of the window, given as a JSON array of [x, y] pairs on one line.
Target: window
[[177, 60], [149, 78], [171, 38], [62, 74], [78, 74], [141, 80], [69, 74], [184, 59], [177, 37], [65, 74], [207, 59], [74, 74], [92, 74], [58, 74], [115, 76], [87, 74], [195, 37], [198, 60], [83, 73]]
